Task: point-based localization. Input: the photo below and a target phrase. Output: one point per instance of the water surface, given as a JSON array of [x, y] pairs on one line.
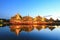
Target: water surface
[[30, 32]]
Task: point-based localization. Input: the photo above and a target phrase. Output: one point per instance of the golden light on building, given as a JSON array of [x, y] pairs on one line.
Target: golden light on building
[[43, 19], [16, 19], [27, 18], [38, 18]]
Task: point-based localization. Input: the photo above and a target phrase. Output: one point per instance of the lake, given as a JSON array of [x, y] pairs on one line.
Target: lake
[[30, 32]]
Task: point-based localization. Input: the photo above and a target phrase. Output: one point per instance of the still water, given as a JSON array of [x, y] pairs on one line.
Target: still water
[[30, 32]]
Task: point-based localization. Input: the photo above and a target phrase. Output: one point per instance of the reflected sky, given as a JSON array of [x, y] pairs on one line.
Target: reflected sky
[[30, 32]]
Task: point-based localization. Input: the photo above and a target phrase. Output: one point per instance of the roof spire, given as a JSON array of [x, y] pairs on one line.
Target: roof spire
[[38, 14], [28, 14], [18, 14]]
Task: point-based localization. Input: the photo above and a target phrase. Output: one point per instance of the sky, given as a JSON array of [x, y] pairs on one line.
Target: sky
[[33, 8]]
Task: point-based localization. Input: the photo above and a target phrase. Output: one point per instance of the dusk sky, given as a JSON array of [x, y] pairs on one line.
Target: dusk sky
[[32, 8]]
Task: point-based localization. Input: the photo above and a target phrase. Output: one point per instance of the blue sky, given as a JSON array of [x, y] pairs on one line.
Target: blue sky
[[34, 8]]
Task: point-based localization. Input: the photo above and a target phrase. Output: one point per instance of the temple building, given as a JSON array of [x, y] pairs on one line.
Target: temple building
[[38, 18], [51, 20], [27, 20], [16, 19], [44, 19]]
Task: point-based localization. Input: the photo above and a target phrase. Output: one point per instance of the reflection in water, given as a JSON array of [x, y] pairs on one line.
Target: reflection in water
[[51, 27], [30, 32], [28, 28], [1, 24], [15, 28], [39, 27], [18, 28]]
